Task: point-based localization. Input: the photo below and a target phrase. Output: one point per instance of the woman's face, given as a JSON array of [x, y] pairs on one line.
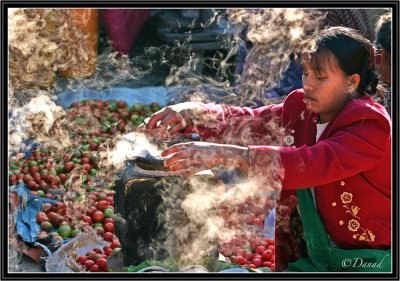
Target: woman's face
[[326, 86]]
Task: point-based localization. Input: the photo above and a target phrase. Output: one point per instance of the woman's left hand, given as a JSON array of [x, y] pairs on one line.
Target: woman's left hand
[[192, 157]]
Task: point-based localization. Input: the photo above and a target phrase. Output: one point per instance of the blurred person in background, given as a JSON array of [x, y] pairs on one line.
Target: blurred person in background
[[383, 40]]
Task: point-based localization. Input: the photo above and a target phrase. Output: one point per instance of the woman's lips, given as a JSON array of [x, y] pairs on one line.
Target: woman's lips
[[307, 99]]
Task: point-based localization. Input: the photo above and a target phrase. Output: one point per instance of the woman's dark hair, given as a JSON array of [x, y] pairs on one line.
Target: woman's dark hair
[[383, 31], [353, 53]]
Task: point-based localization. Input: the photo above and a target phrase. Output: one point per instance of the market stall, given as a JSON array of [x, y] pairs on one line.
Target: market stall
[[90, 192]]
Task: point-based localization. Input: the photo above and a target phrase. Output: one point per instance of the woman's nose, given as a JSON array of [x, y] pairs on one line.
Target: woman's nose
[[307, 84]]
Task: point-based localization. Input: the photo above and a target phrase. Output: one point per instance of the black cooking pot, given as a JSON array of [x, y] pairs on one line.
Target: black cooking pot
[[140, 199]]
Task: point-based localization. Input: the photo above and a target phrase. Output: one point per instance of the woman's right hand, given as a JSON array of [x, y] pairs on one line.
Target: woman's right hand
[[171, 119]]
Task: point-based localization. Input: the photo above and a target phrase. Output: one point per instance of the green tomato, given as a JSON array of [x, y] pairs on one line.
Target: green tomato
[[138, 106], [97, 224], [32, 163], [75, 232], [108, 213], [134, 118], [113, 106], [64, 231]]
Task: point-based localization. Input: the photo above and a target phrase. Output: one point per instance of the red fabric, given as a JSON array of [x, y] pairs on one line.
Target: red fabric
[[123, 26], [350, 166]]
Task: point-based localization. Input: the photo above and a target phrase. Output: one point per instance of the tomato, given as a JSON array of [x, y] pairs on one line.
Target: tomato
[[240, 252], [249, 256], [69, 166], [32, 185], [102, 205], [100, 231], [88, 263], [267, 255], [108, 213], [109, 227], [259, 222], [81, 259], [75, 232], [40, 193], [34, 169], [93, 146], [115, 244], [238, 259], [257, 262], [108, 220], [46, 226], [108, 236], [98, 216], [91, 210], [97, 250], [102, 263], [63, 177], [87, 219], [271, 247], [85, 160], [108, 252], [267, 264], [87, 167], [64, 231], [46, 207]]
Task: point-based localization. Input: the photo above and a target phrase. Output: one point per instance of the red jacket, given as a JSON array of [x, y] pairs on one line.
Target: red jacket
[[349, 167]]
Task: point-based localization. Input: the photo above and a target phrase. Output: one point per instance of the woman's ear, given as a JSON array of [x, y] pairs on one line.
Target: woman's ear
[[352, 82]]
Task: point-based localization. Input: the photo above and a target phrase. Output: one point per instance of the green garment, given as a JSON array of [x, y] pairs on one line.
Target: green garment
[[324, 258]]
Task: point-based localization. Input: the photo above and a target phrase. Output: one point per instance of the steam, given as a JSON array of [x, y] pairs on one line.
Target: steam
[[44, 42]]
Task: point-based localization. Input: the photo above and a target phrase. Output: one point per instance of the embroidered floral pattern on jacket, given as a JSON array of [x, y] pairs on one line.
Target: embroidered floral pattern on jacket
[[354, 224]]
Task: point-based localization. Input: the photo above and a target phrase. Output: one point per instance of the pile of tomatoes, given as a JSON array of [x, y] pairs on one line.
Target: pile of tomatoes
[[247, 216], [48, 172], [96, 259], [252, 252]]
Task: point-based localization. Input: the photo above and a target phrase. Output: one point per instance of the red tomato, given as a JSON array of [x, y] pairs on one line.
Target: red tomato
[[267, 264], [109, 198], [108, 236], [88, 220], [85, 160], [259, 222], [108, 220], [267, 255], [69, 166], [108, 252], [94, 268], [100, 231], [271, 247], [240, 252], [81, 259], [98, 216], [91, 210], [257, 262], [109, 227], [115, 244], [102, 205], [260, 249], [97, 250], [239, 260], [102, 263], [249, 256]]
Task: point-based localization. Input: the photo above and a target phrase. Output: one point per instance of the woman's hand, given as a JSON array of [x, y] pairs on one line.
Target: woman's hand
[[192, 157], [171, 120]]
